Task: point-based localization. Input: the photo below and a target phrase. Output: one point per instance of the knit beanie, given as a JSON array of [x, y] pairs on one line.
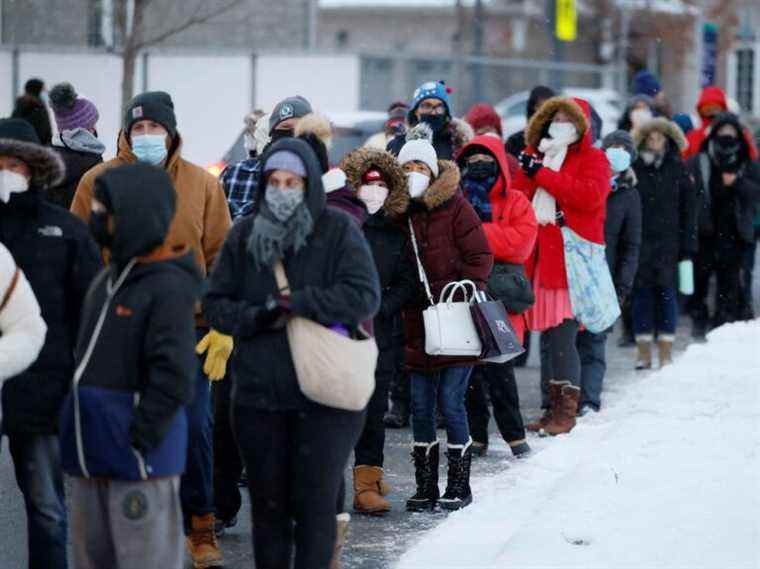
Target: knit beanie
[[620, 138], [285, 160], [645, 83], [290, 108], [483, 115], [156, 106], [419, 151], [432, 90], [71, 110]]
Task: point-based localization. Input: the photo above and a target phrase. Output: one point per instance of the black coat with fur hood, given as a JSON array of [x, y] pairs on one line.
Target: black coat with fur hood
[[668, 201], [388, 243]]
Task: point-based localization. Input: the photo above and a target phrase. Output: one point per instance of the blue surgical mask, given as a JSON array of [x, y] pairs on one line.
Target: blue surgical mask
[[619, 159], [149, 148]]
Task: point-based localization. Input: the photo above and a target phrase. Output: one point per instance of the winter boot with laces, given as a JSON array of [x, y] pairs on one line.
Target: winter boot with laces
[[202, 545], [425, 457], [555, 391], [369, 489], [563, 419], [458, 493]]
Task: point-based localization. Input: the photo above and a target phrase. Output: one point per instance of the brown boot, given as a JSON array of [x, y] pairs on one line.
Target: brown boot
[[555, 388], [665, 347], [368, 491], [563, 420], [201, 543], [644, 358], [340, 540]]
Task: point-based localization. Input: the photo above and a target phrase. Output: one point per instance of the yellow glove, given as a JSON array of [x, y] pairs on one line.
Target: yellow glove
[[219, 347]]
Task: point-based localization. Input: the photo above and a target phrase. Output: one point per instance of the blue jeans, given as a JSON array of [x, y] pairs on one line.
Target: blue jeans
[[197, 487], [37, 461], [449, 388], [592, 349], [655, 309]]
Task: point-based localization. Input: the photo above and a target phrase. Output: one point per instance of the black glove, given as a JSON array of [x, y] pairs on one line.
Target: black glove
[[530, 163], [274, 314]]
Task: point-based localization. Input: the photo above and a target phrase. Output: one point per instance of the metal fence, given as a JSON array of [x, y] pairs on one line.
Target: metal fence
[[393, 77]]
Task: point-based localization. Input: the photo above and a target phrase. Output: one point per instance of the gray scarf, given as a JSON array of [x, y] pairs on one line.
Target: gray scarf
[[271, 238]]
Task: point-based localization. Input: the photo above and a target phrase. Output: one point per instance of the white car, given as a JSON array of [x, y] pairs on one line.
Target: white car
[[607, 103]]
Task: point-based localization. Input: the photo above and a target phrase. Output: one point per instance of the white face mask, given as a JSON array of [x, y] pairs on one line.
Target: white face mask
[[640, 116], [417, 183], [12, 183], [373, 197], [563, 131]]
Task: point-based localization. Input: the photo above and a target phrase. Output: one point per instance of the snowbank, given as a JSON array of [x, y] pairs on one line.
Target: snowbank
[[666, 476]]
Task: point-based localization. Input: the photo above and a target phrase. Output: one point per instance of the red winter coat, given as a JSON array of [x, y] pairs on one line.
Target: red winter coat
[[453, 247], [696, 137], [512, 232], [580, 187]]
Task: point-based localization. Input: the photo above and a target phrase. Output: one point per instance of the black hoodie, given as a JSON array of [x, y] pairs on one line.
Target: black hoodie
[[333, 279], [138, 374]]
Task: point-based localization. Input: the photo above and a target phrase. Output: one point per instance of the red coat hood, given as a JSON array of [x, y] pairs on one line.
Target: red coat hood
[[495, 148], [712, 96]]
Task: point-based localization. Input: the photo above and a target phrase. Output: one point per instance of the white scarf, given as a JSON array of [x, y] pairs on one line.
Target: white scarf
[[554, 151]]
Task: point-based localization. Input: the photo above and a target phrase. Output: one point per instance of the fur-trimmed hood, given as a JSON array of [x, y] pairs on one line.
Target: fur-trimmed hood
[[664, 126], [577, 109], [441, 189], [360, 161], [46, 165], [315, 124], [461, 133]]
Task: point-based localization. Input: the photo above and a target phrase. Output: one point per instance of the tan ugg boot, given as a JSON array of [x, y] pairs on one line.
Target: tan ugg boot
[[201, 543], [368, 491], [644, 357], [563, 420], [341, 537], [665, 347]]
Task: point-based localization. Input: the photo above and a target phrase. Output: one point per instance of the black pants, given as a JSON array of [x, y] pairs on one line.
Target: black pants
[[400, 386], [499, 379], [725, 261], [559, 357], [369, 449], [228, 464], [295, 462]]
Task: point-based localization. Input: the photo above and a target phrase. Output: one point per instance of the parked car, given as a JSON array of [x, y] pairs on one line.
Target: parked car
[[350, 130], [607, 103]]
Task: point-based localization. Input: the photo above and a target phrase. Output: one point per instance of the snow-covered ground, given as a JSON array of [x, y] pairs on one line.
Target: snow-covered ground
[[667, 475]]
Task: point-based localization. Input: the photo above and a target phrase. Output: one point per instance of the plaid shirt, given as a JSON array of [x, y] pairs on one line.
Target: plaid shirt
[[239, 181]]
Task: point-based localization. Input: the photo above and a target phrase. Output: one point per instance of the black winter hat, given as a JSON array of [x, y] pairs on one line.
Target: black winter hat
[[290, 108], [19, 139], [156, 106]]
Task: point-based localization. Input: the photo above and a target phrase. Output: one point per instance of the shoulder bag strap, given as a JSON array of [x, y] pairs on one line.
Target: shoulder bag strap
[[420, 268], [11, 288], [283, 287]]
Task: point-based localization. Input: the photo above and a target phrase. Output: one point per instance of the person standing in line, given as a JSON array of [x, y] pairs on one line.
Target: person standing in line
[[511, 228], [568, 181], [450, 246], [668, 236], [622, 234], [55, 251], [123, 425], [149, 135], [294, 450], [77, 139]]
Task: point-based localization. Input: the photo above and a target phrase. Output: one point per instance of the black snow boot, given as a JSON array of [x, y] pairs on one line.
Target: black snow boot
[[425, 457], [458, 493], [397, 416]]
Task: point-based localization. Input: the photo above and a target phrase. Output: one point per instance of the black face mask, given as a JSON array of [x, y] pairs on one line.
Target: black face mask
[[280, 134], [481, 170], [99, 229], [436, 122], [725, 151]]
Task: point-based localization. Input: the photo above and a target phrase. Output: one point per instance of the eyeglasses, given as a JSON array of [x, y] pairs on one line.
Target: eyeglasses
[[432, 108]]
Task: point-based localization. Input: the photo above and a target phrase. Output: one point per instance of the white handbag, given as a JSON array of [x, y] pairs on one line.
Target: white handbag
[[449, 328]]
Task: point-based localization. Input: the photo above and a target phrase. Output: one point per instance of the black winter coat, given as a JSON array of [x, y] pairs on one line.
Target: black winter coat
[[668, 220], [746, 190], [622, 233], [77, 163], [59, 257], [332, 278], [397, 277]]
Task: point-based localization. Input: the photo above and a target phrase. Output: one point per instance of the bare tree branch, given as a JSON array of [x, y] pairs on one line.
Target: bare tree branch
[[193, 20]]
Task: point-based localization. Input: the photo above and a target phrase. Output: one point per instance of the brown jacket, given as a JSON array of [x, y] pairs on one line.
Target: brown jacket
[[202, 219]]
